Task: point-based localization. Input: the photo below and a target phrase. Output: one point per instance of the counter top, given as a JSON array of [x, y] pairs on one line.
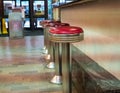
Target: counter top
[[104, 50]]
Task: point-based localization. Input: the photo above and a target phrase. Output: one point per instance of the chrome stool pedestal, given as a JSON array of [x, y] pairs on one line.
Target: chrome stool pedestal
[[57, 79]]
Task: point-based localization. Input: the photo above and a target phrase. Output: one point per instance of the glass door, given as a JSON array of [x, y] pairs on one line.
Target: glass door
[[25, 5], [35, 11], [7, 6], [38, 12]]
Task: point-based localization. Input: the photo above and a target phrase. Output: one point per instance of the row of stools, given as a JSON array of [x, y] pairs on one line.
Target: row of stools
[[57, 39]]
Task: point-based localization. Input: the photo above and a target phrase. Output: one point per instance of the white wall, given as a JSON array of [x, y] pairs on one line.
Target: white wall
[[100, 21]]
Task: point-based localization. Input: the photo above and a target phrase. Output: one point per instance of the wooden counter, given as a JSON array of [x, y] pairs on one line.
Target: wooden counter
[[97, 57]]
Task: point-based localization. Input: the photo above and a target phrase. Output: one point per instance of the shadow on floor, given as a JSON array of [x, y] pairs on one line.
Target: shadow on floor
[[33, 33]]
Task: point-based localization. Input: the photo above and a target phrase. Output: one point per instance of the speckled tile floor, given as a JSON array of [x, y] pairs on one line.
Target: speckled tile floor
[[22, 67]]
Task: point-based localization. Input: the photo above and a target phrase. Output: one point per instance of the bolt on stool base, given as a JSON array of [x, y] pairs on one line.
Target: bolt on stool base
[[51, 65], [45, 52], [56, 79]]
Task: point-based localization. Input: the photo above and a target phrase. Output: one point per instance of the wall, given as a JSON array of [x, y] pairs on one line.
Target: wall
[[100, 21]]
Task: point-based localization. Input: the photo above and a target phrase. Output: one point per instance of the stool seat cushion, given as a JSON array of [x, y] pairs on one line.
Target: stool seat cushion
[[66, 30], [61, 24]]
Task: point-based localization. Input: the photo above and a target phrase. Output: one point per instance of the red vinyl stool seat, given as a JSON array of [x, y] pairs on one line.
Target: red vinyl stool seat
[[65, 35]]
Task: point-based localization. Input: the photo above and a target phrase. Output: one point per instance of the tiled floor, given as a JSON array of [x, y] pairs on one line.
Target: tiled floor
[[22, 67]]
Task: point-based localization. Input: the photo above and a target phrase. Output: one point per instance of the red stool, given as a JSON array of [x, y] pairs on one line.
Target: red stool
[[46, 24], [49, 52], [65, 36], [52, 62], [43, 24]]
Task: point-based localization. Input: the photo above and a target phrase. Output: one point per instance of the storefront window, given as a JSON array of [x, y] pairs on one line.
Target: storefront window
[[25, 4], [39, 8], [8, 5], [62, 2], [49, 9]]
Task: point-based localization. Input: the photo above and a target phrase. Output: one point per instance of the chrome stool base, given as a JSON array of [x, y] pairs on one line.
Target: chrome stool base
[[51, 65], [44, 48], [45, 51], [56, 79]]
